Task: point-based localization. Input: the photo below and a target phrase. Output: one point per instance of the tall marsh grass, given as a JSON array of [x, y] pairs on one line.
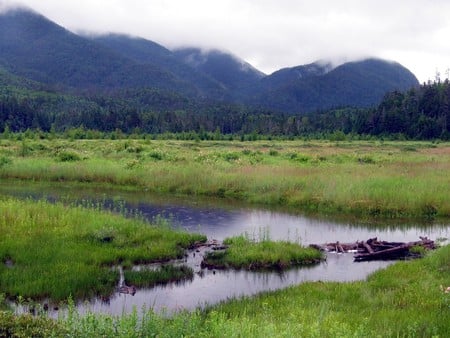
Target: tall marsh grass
[[362, 178]]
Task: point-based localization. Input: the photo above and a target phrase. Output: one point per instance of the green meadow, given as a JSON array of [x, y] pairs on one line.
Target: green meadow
[[360, 178]]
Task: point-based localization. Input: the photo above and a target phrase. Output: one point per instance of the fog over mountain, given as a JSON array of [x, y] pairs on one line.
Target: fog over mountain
[[274, 34], [36, 48]]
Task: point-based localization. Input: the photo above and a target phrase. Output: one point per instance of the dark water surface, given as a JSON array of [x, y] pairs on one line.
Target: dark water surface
[[218, 219]]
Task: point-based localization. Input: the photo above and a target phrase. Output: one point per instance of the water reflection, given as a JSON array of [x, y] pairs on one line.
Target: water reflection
[[219, 220], [215, 286]]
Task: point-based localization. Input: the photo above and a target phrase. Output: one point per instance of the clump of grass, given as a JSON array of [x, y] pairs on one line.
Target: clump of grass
[[231, 156], [163, 275], [4, 161], [418, 250], [29, 326], [57, 251], [366, 160], [156, 155], [245, 254], [68, 156]]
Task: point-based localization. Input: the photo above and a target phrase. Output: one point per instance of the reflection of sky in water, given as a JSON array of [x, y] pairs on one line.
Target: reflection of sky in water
[[222, 285], [219, 222]]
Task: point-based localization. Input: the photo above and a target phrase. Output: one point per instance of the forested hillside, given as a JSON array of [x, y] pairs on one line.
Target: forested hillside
[[420, 113], [34, 48]]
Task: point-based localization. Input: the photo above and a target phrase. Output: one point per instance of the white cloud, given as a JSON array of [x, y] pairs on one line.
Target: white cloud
[[272, 34]]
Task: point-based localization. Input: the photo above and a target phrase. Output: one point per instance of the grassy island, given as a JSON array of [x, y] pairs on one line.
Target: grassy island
[[242, 253]]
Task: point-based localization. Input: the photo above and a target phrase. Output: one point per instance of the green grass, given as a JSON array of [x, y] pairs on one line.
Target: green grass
[[245, 254], [54, 251], [29, 326], [404, 300], [366, 179]]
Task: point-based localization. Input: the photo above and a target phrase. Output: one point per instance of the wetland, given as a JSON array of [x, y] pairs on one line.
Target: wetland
[[89, 208]]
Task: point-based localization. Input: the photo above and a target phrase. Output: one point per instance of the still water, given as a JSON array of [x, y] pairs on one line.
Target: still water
[[218, 220]]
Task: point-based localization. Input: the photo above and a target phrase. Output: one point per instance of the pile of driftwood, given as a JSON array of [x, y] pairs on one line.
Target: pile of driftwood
[[372, 249]]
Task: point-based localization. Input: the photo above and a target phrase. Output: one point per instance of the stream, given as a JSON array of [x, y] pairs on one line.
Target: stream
[[218, 219]]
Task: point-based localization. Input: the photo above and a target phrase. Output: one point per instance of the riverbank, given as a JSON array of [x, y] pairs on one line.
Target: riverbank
[[364, 179], [404, 300], [51, 251]]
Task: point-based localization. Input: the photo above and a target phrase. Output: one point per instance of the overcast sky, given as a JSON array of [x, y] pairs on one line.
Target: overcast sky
[[272, 34]]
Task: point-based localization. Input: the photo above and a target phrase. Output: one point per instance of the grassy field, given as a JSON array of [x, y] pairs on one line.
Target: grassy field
[[53, 251], [362, 178]]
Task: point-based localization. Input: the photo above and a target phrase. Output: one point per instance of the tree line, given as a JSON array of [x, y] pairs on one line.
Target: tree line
[[419, 113]]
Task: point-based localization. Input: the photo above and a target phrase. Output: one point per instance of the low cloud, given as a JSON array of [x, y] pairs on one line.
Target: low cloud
[[6, 5], [272, 34]]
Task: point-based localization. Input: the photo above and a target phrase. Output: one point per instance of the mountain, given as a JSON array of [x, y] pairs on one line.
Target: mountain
[[34, 47], [319, 86], [226, 68], [295, 74], [146, 52], [10, 82], [39, 53]]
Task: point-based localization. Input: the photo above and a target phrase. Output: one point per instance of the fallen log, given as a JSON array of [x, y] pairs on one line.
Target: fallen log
[[392, 253], [368, 248], [372, 249]]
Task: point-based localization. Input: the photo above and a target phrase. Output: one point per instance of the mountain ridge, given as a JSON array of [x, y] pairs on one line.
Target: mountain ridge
[[38, 49]]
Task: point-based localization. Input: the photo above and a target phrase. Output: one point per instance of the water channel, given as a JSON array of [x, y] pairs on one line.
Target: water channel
[[218, 219]]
